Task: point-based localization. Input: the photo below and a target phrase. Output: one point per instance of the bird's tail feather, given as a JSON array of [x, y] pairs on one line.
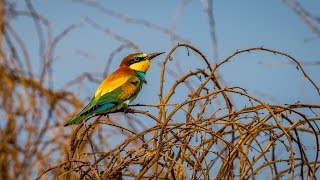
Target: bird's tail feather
[[86, 114], [77, 119]]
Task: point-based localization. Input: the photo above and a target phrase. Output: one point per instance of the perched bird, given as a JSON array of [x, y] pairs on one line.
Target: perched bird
[[119, 88]]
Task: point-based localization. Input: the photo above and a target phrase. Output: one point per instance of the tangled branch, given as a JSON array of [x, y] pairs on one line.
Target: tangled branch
[[195, 139]]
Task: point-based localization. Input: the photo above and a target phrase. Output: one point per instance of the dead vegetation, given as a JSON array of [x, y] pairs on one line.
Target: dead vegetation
[[208, 143]]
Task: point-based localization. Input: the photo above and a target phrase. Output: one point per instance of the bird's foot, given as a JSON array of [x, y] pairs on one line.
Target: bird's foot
[[126, 109]]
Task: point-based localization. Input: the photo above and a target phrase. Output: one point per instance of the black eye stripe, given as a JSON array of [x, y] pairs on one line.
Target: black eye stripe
[[134, 60]]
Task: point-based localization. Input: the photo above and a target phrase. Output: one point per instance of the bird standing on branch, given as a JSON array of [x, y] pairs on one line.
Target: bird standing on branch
[[119, 88]]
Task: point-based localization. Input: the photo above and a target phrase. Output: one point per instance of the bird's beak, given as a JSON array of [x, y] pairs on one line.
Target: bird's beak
[[153, 55]]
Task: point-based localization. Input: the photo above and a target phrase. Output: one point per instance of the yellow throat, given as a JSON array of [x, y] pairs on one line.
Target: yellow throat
[[142, 66]]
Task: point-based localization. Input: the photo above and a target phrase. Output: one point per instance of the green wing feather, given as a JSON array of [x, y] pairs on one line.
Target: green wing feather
[[109, 102]]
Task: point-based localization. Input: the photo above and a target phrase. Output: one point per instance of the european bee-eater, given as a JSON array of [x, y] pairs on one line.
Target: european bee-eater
[[119, 88]]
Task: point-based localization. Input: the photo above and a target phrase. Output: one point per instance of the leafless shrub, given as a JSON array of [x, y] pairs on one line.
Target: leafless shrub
[[202, 142], [29, 136]]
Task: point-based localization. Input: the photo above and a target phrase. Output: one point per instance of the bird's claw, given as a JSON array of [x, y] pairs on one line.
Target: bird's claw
[[126, 109]]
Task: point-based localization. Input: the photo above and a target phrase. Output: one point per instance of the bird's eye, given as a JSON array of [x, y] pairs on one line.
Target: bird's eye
[[136, 59]]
